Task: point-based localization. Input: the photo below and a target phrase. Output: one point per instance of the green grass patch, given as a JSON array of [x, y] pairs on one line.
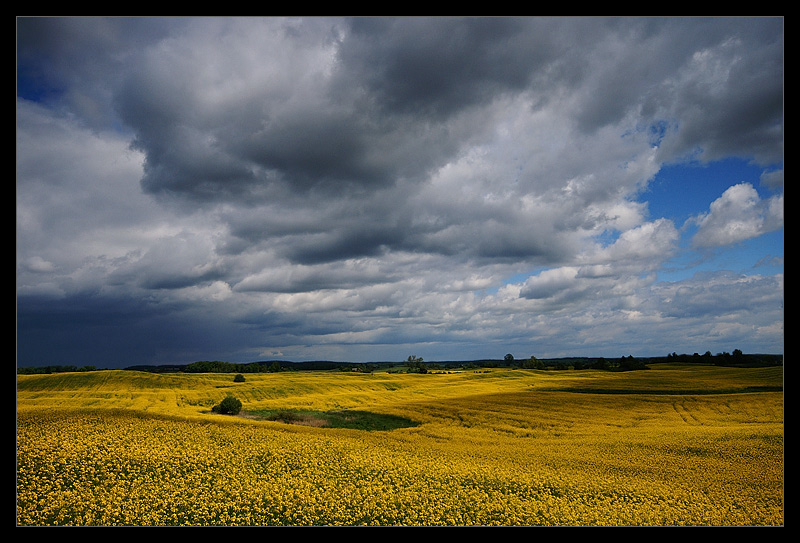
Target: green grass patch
[[354, 420]]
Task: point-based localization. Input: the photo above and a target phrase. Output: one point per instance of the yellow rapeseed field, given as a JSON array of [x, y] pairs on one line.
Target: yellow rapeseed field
[[673, 445]]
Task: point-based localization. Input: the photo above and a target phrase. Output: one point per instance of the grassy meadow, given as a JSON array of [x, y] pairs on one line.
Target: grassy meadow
[[672, 445]]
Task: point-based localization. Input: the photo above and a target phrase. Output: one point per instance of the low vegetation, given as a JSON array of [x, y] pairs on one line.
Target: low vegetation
[[231, 405], [353, 419]]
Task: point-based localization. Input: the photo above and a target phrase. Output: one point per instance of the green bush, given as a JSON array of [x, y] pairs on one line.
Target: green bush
[[239, 378], [229, 406]]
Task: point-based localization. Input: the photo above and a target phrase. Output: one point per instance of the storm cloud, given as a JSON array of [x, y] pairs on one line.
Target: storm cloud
[[349, 188]]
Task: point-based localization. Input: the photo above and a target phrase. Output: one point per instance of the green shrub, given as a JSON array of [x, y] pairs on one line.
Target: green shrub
[[239, 378], [229, 406]]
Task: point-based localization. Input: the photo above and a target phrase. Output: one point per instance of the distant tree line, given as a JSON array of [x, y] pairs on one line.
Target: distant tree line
[[53, 369], [624, 363], [216, 366], [735, 358], [415, 364]]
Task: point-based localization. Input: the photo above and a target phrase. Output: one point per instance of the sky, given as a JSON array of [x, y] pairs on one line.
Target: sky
[[367, 189]]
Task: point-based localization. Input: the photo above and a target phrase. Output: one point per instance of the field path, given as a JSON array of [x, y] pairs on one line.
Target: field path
[[686, 413]]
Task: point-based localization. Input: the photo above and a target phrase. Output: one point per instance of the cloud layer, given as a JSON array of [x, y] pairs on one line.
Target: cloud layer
[[243, 188]]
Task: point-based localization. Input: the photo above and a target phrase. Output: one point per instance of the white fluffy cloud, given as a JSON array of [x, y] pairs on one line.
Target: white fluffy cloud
[[738, 215]]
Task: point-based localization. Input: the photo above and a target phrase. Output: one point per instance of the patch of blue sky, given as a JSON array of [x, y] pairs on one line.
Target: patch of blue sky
[[33, 89], [758, 256], [681, 191]]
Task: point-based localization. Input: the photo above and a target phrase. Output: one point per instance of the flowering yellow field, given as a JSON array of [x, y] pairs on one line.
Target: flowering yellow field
[[674, 445]]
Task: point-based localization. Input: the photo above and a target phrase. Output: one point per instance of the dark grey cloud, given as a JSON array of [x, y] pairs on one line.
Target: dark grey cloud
[[114, 332], [726, 96], [350, 274], [435, 67], [75, 63]]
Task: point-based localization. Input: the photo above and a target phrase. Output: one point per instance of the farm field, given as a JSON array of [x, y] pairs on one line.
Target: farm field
[[673, 445]]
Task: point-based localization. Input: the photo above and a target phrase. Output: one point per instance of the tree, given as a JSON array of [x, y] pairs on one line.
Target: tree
[[630, 363], [509, 357], [238, 378], [533, 363], [229, 406], [415, 365]]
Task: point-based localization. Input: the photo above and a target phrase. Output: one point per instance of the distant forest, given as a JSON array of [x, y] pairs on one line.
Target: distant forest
[[417, 365]]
